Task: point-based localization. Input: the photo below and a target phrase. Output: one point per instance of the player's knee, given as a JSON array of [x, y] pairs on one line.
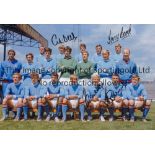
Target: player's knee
[[131, 103], [65, 101], [39, 101], [102, 104], [110, 104], [90, 105], [81, 101], [148, 103], [60, 100], [4, 103], [125, 103], [24, 102]]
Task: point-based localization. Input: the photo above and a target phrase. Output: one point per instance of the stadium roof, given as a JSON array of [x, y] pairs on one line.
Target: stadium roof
[[25, 30]]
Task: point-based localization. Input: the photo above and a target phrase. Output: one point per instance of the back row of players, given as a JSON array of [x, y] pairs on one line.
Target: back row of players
[[104, 82]]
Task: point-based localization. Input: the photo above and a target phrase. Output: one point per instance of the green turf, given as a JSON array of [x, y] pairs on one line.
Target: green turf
[[77, 125]]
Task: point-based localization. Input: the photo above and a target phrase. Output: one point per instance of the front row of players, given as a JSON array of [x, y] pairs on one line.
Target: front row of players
[[41, 98]]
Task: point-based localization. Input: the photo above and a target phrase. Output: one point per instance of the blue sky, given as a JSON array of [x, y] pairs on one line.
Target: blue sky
[[141, 41]]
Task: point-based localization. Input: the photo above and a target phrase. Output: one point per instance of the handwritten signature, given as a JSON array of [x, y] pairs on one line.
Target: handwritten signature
[[65, 38], [123, 34]]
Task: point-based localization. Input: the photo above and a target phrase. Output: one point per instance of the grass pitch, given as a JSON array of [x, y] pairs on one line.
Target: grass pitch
[[77, 125]]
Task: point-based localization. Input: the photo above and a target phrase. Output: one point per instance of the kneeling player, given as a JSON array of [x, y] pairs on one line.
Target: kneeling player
[[95, 96], [13, 97], [34, 98], [137, 97], [54, 97], [73, 98], [116, 98]]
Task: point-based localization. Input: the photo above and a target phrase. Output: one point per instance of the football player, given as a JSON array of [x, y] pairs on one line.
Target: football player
[[116, 96], [67, 66], [54, 95], [106, 68], [48, 66], [137, 96], [13, 99], [73, 98], [125, 68], [94, 98], [85, 69], [34, 98], [8, 68]]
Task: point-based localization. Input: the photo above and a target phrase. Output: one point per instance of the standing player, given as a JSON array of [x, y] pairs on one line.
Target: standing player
[[97, 56], [82, 49], [54, 95], [40, 57], [14, 95], [85, 69], [61, 55], [34, 98], [27, 69], [67, 66], [137, 96], [116, 97], [95, 97], [48, 66], [126, 68], [106, 68], [73, 98], [118, 54], [8, 68]]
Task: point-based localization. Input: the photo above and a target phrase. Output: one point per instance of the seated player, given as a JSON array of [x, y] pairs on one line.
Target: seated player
[[34, 98], [137, 96], [94, 98], [73, 98], [13, 97], [116, 97], [54, 98]]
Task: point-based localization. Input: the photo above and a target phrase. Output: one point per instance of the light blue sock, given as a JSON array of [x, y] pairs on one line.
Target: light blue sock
[[19, 110], [40, 112], [145, 112], [131, 113], [25, 110], [5, 111], [64, 111], [111, 111], [82, 109]]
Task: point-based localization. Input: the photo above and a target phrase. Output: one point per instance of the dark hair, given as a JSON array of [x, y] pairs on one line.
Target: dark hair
[[11, 50], [35, 75], [115, 75], [83, 45], [54, 74], [29, 54], [85, 52], [68, 49], [48, 49], [99, 46]]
